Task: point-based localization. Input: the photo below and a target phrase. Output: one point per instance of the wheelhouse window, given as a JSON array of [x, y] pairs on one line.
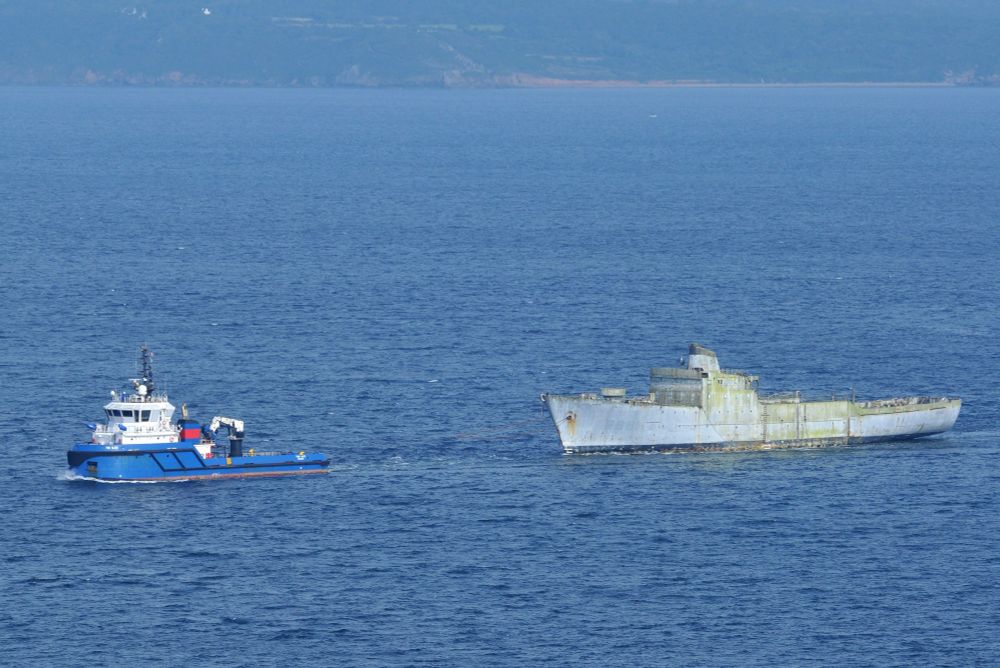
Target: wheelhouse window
[[145, 416], [127, 414]]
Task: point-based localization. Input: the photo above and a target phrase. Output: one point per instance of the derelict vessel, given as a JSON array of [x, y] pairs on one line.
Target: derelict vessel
[[702, 407]]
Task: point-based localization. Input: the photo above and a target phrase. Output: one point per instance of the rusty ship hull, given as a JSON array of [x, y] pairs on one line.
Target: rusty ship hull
[[702, 407]]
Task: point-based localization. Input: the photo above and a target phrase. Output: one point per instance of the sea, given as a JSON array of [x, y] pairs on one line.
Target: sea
[[393, 277]]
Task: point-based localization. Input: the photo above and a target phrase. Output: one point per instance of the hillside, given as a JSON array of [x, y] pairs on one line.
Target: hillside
[[489, 43]]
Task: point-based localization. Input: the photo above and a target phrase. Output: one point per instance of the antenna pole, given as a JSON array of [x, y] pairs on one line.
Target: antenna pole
[[146, 362]]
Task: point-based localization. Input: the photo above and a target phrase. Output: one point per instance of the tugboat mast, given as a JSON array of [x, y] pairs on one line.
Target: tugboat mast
[[146, 368]]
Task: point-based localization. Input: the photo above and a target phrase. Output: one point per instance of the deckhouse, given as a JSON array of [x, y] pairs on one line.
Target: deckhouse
[[140, 416]]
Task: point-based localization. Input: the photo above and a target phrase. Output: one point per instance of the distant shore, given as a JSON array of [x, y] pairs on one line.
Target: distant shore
[[524, 81], [454, 81], [539, 84]]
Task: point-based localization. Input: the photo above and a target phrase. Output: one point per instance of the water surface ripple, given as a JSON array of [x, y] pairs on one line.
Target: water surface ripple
[[394, 276]]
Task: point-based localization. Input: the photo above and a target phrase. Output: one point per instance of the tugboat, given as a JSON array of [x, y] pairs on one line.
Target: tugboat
[[139, 442]]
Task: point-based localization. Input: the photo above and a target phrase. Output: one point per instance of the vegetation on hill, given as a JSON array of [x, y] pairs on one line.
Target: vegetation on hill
[[490, 43]]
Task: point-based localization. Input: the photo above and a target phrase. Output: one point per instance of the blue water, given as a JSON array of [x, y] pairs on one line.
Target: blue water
[[394, 276]]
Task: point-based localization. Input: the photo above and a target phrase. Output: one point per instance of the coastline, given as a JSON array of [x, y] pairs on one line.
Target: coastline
[[501, 83], [543, 82], [450, 80]]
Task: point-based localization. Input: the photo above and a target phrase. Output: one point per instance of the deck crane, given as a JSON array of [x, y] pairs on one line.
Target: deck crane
[[235, 429]]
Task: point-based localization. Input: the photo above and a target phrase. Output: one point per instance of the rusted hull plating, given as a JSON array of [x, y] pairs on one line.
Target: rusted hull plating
[[590, 425]]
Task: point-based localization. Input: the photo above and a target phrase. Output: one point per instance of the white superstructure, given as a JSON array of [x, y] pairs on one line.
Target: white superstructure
[[141, 416]]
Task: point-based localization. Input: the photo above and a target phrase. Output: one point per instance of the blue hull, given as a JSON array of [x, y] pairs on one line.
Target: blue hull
[[181, 461]]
